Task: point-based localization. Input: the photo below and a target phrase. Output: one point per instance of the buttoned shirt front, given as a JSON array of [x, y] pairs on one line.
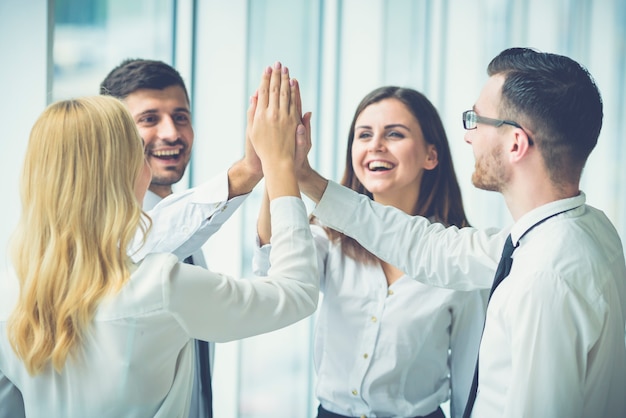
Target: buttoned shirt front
[[388, 351], [553, 344]]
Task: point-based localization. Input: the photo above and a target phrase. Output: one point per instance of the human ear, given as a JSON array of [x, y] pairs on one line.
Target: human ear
[[432, 159], [520, 146]]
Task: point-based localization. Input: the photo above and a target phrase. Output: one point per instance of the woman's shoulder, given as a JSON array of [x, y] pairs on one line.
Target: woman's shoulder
[[143, 291]]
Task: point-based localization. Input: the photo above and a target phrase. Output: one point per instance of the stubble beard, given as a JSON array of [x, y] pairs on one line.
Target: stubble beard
[[168, 178], [489, 172]]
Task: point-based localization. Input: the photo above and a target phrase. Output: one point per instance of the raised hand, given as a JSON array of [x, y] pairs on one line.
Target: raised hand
[[251, 159], [273, 117], [303, 146]]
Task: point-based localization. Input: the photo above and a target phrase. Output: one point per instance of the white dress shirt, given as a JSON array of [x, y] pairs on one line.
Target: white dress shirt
[[389, 351], [553, 344], [136, 357], [181, 222]]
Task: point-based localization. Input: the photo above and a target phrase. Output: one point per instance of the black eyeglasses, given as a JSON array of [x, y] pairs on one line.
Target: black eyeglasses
[[470, 119]]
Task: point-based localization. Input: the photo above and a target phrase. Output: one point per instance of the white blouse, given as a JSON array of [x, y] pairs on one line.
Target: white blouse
[[389, 351], [136, 358]]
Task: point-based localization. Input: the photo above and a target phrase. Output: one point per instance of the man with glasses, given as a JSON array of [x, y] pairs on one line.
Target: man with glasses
[[553, 341]]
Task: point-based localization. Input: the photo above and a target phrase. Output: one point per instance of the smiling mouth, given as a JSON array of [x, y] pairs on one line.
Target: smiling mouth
[[170, 154], [379, 166]]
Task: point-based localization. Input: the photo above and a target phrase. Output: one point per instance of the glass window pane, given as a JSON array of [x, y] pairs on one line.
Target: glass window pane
[[92, 37], [276, 371]]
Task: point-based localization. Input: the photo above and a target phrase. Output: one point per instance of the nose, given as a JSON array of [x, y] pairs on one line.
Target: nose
[[377, 143], [467, 138], [167, 129]]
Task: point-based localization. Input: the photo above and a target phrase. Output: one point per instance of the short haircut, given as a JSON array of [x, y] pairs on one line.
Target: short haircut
[[557, 100], [135, 74]]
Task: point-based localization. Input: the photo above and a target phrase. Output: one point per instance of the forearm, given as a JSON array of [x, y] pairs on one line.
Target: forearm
[[242, 178], [182, 222], [280, 179], [312, 184], [264, 228], [439, 256]]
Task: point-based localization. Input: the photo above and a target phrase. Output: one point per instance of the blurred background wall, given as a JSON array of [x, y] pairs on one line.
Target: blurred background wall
[[339, 50]]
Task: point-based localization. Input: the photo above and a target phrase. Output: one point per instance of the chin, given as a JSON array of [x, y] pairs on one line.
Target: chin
[[166, 180], [489, 187]]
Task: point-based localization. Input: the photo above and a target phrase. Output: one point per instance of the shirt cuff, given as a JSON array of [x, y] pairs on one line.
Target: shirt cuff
[[337, 206]]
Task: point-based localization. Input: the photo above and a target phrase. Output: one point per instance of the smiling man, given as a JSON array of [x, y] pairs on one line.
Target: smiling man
[[164, 121], [553, 340], [158, 101]]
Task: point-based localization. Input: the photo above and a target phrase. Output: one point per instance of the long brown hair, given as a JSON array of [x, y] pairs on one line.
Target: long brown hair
[[440, 195]]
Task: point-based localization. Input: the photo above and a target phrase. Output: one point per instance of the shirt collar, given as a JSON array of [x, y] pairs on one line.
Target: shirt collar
[[535, 216], [150, 200]]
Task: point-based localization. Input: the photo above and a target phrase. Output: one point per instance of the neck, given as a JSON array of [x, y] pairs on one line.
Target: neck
[[535, 194], [161, 190]]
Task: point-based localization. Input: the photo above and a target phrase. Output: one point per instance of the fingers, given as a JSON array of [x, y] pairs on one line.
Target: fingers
[[285, 89], [276, 86], [306, 120], [303, 146], [251, 110], [264, 89], [273, 123], [302, 150], [295, 97]]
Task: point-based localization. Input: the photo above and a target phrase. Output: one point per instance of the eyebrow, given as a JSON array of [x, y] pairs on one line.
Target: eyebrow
[[391, 126], [176, 110]]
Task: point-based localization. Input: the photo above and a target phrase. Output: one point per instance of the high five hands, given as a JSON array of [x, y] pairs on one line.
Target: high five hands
[[278, 132]]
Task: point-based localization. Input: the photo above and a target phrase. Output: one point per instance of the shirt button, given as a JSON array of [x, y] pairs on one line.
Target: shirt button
[[363, 416], [224, 208], [390, 292], [365, 355], [354, 392], [185, 230], [374, 319]]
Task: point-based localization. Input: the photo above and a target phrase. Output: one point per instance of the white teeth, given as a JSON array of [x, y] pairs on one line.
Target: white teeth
[[166, 153], [379, 165]]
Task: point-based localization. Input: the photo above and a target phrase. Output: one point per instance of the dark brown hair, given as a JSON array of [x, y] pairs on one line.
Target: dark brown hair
[[557, 99], [440, 196], [135, 74]]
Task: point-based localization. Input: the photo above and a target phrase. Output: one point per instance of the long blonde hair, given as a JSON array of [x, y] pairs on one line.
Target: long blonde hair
[[79, 214]]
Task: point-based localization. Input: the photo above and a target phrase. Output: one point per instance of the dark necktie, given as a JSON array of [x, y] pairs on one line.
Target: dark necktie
[[202, 349], [504, 267]]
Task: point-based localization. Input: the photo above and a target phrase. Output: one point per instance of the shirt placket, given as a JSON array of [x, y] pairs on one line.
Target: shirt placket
[[373, 314]]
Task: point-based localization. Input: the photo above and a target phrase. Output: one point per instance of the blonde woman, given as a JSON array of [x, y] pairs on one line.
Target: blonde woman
[[92, 334]]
